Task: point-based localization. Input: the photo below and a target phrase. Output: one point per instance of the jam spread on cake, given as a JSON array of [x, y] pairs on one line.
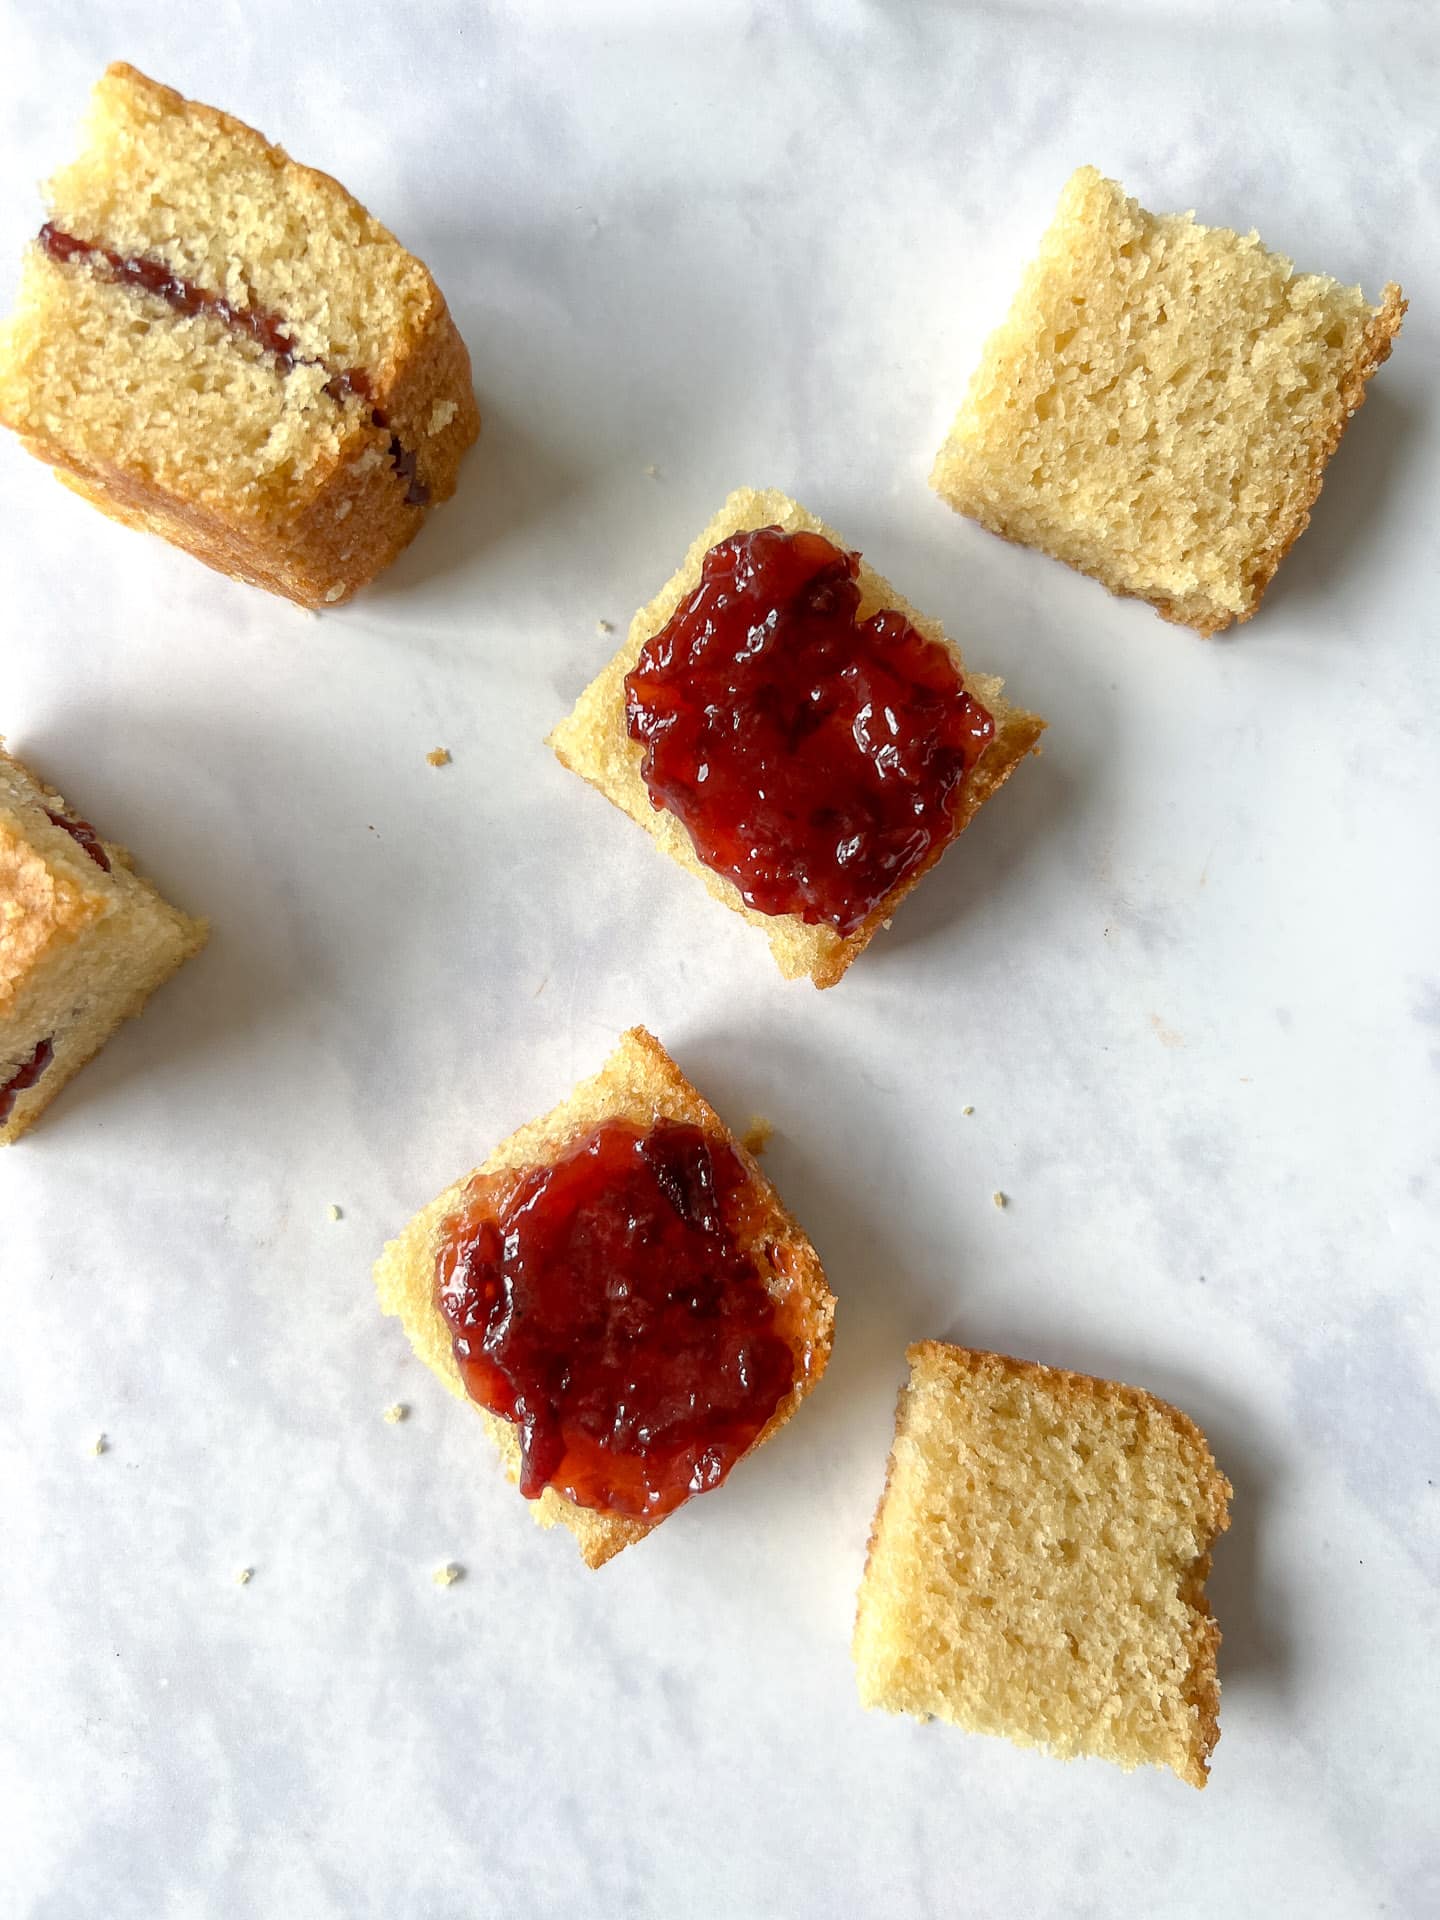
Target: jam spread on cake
[[84, 835], [605, 1305], [24, 1077], [813, 758], [266, 329]]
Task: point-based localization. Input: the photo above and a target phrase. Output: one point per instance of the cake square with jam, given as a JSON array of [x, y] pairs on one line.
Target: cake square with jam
[[220, 346], [621, 1295], [84, 942], [794, 732]]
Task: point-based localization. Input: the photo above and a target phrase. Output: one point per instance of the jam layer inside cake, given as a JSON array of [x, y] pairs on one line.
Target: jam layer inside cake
[[604, 1304], [814, 759], [268, 330], [84, 835], [25, 1077]]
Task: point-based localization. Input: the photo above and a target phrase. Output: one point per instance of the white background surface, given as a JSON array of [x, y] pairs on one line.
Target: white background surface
[[1185, 969]]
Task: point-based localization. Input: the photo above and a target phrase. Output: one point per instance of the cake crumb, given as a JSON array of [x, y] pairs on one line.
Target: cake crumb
[[441, 414], [102, 1445], [967, 1111], [394, 1415], [334, 1211], [243, 1576], [447, 1575], [438, 756], [1000, 1199], [604, 627], [758, 1135], [334, 593]]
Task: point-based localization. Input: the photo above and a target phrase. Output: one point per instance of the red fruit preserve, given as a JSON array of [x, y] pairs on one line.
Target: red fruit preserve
[[604, 1304], [83, 834], [24, 1077], [813, 758]]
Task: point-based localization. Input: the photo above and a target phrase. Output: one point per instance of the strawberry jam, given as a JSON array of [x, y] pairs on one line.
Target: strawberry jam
[[813, 758], [25, 1077], [604, 1305], [266, 329], [84, 835]]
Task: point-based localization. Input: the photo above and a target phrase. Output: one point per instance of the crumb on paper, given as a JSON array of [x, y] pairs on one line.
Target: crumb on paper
[[438, 757], [967, 1111], [758, 1135], [394, 1415], [334, 1212], [1000, 1199], [244, 1575], [102, 1444], [652, 473], [1167, 1036], [603, 627], [447, 1575]]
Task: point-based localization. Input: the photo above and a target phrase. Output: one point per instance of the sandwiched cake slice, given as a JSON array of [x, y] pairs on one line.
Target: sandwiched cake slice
[[1160, 405], [795, 733], [623, 1298], [224, 348], [84, 942], [1038, 1561]]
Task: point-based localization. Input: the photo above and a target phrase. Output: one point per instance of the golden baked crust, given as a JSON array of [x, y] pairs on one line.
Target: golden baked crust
[[299, 494], [640, 1083], [593, 741], [40, 909], [1159, 406], [1038, 1560]]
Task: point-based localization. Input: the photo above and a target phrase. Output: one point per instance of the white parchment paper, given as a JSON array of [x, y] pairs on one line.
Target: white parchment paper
[[1184, 969]]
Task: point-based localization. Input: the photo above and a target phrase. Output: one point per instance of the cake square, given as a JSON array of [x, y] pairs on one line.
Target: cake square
[[1159, 407], [217, 345], [84, 942], [595, 740], [1038, 1561], [447, 1280]]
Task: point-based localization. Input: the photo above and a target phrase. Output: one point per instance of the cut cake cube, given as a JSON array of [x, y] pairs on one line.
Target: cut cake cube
[[217, 345], [594, 741], [1038, 1561], [1159, 406], [642, 1085], [84, 942]]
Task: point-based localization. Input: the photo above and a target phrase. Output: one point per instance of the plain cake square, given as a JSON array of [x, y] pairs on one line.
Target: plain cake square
[[1159, 406], [217, 345], [594, 741], [1038, 1561], [84, 942], [639, 1084]]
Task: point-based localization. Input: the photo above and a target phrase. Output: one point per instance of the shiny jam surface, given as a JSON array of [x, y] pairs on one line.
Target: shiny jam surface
[[266, 329], [25, 1076], [604, 1305], [84, 835], [813, 758]]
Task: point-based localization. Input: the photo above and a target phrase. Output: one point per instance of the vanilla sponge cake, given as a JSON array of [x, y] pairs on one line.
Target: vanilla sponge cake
[[639, 1084], [1038, 1561], [84, 942], [1159, 406], [223, 347], [593, 740]]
